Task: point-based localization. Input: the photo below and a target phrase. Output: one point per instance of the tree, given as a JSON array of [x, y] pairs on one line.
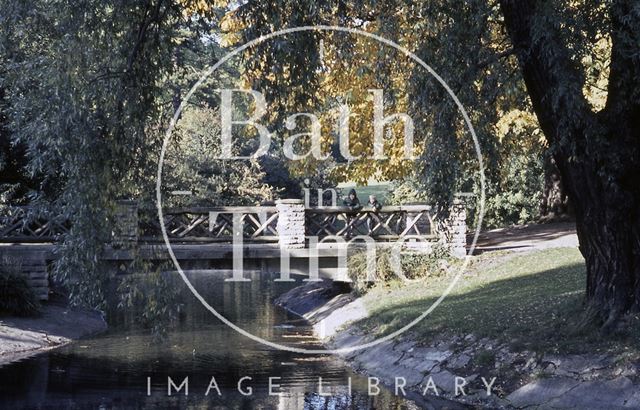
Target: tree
[[14, 183], [193, 162], [90, 87], [350, 65], [597, 152], [340, 68], [589, 113], [82, 84]]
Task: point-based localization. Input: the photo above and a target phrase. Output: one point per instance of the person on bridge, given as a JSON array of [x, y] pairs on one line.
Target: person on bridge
[[374, 203], [353, 203], [375, 206]]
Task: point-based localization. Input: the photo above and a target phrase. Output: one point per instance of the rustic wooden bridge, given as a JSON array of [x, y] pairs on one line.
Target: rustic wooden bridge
[[208, 236]]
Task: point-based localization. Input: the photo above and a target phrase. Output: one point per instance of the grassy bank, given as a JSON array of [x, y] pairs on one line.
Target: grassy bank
[[532, 301]]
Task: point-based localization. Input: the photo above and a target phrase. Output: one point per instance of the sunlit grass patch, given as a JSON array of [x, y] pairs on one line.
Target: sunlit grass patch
[[533, 300]]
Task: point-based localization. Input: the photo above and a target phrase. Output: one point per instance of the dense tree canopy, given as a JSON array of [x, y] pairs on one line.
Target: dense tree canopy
[[577, 62], [550, 86], [84, 93], [343, 67]]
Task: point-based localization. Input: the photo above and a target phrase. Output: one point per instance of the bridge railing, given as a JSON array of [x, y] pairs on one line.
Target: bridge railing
[[389, 223], [22, 224], [288, 223], [212, 224]]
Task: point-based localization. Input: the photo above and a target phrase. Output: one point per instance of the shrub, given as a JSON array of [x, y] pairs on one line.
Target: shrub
[[414, 265], [16, 296], [516, 199]]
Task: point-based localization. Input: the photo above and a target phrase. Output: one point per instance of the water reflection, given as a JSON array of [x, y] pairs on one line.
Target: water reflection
[[117, 369]]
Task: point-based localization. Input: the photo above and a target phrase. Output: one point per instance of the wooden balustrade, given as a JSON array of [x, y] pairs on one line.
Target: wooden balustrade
[[389, 223], [20, 224], [213, 224], [259, 223]]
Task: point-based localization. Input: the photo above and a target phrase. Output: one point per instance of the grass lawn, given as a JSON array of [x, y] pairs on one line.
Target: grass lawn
[[532, 301]]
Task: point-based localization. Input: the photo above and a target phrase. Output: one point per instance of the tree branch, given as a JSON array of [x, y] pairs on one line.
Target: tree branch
[[623, 98], [495, 58], [552, 79]]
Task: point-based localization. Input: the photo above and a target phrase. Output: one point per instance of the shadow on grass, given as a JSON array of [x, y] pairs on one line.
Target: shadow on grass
[[540, 311]]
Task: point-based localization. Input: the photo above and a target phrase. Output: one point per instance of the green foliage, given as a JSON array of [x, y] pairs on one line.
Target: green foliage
[[16, 297], [444, 34], [86, 92], [192, 163], [414, 265], [517, 200], [153, 298], [83, 86], [87, 89], [407, 190], [15, 184]]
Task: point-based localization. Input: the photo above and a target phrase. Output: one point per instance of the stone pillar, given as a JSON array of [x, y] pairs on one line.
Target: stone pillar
[[125, 222], [291, 229], [457, 229]]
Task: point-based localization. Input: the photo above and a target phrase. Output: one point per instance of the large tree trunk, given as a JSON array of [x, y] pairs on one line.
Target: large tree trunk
[[611, 247], [607, 222], [597, 154]]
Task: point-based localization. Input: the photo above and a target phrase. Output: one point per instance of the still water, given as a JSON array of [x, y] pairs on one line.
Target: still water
[[126, 368]]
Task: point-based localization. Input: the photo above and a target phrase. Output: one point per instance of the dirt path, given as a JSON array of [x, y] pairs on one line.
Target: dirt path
[[527, 237], [57, 326]]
